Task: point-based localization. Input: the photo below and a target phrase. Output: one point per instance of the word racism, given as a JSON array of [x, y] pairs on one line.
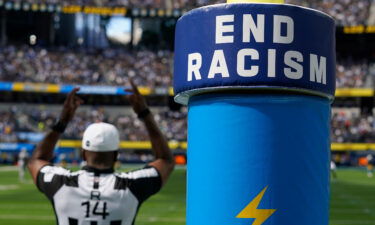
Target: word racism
[[255, 32]]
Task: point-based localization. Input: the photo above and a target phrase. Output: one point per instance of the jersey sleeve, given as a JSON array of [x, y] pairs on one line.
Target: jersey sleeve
[[144, 182], [50, 179]]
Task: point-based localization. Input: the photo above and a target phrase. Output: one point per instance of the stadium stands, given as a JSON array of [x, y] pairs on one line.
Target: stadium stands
[[347, 124], [32, 67], [113, 66], [347, 13], [27, 109], [18, 120], [108, 67], [351, 74], [350, 126]]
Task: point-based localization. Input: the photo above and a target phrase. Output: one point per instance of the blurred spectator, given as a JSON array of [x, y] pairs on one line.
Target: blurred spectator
[[7, 127]]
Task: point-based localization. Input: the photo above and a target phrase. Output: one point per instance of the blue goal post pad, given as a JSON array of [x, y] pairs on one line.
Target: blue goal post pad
[[254, 46], [241, 144]]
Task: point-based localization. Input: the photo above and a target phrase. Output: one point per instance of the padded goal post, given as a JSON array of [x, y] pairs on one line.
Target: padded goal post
[[258, 80]]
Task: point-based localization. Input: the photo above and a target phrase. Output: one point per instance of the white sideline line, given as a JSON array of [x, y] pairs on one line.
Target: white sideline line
[[352, 222], [26, 217], [352, 211], [8, 168], [24, 206], [8, 187]]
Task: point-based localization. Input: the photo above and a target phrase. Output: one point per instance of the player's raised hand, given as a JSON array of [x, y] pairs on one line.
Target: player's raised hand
[[72, 102], [136, 99]]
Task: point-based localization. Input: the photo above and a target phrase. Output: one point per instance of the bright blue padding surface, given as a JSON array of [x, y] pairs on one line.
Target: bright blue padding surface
[[5, 86], [95, 90], [314, 33], [239, 144], [16, 146]]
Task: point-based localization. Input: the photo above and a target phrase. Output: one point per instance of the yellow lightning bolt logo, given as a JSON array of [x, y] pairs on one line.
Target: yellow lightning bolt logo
[[252, 211]]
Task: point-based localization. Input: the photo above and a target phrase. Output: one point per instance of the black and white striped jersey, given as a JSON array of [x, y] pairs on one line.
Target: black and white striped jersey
[[97, 197]]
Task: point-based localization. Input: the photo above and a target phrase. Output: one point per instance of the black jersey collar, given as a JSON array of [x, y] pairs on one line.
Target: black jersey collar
[[98, 171]]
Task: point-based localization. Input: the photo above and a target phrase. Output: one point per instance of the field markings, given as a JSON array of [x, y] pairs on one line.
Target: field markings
[[24, 206], [9, 187], [26, 217], [351, 222], [351, 210], [8, 168]]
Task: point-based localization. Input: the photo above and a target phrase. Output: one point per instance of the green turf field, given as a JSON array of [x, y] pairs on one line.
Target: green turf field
[[353, 201]]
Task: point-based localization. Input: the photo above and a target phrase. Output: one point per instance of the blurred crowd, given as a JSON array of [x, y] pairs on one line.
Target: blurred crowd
[[131, 3], [106, 67], [346, 12], [347, 126], [114, 66], [15, 120], [354, 74]]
